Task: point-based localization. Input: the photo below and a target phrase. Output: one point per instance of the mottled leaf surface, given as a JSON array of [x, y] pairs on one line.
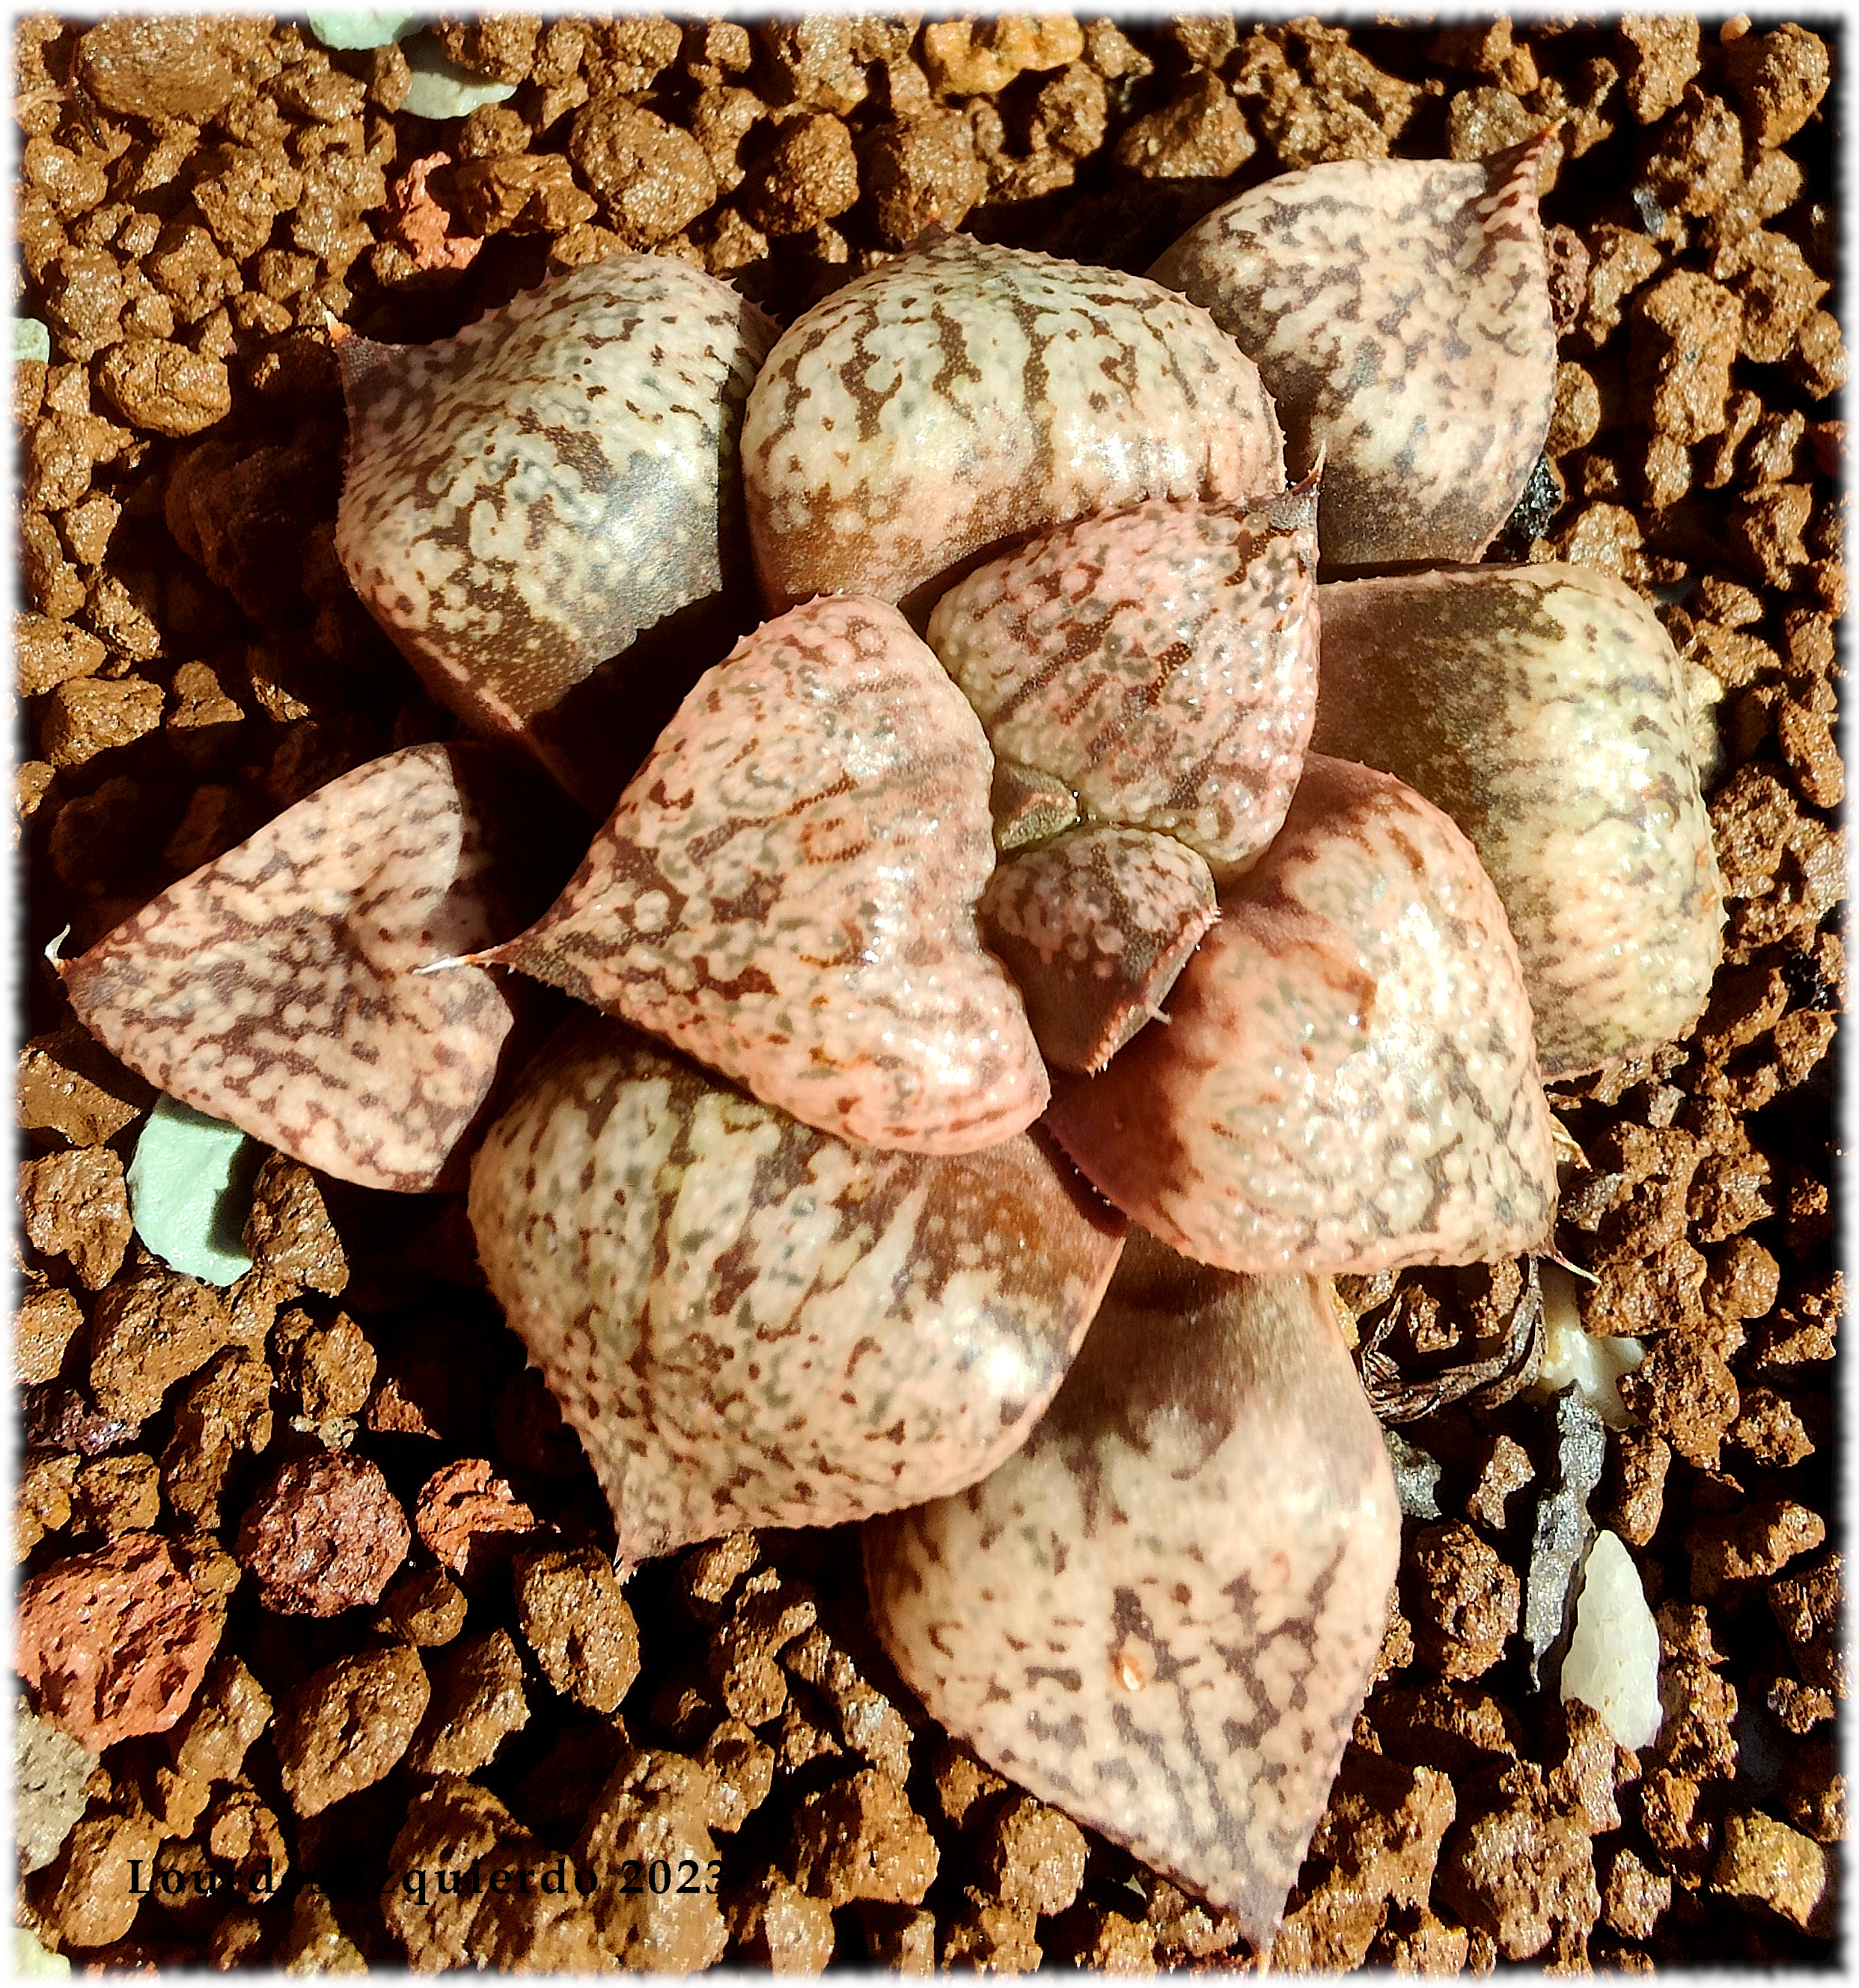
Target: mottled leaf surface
[[1346, 1080], [1543, 709], [1094, 926], [964, 392], [1161, 661], [276, 988], [1399, 311], [1160, 1614], [786, 891], [750, 1322], [525, 500]]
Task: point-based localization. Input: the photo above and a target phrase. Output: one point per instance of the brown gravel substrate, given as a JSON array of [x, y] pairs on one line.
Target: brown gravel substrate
[[348, 1435]]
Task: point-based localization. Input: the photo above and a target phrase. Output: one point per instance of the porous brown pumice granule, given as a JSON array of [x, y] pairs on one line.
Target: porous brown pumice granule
[[362, 1622]]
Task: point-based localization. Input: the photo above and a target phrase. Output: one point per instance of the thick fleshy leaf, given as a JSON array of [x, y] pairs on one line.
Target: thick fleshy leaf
[[965, 393], [534, 496], [1346, 1081], [787, 891], [1543, 709], [1161, 661], [1399, 310], [1094, 927], [750, 1322], [276, 988], [1160, 1614]]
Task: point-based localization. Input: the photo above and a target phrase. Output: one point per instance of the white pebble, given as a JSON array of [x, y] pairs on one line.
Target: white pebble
[[440, 88], [1588, 1360], [32, 339], [1612, 1660]]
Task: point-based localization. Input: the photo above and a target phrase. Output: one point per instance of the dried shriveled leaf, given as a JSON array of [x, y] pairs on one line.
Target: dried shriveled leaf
[[276, 987], [965, 393], [1542, 708], [1094, 927], [537, 495], [1346, 1082], [1161, 661], [1399, 311], [786, 891], [1160, 1613], [750, 1322]]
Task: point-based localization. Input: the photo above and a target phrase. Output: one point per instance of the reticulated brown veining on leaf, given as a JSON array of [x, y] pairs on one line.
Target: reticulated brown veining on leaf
[[1161, 660], [276, 987], [1346, 1080], [752, 1323], [1094, 926], [965, 393], [1543, 709], [524, 501], [787, 888], [1160, 1613], [1399, 311]]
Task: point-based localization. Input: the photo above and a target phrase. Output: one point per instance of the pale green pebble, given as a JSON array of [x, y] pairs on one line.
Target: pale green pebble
[[32, 339], [346, 28], [190, 1191], [30, 1958], [440, 88]]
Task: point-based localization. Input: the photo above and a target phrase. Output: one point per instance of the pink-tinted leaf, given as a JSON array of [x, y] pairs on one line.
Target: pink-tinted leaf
[[1160, 1614], [554, 487], [787, 890], [1543, 709], [1347, 1080], [965, 393], [277, 990], [1399, 311], [1094, 927], [1161, 661], [750, 1322]]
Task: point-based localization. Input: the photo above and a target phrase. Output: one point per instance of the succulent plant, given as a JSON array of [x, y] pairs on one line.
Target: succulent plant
[[805, 1260]]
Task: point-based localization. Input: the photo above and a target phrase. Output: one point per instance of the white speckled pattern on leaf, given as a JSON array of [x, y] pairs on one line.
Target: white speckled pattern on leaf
[[787, 888], [1161, 661], [524, 500], [749, 1322], [1347, 1080], [1160, 1613], [1543, 709], [1094, 926], [964, 392], [1399, 311], [275, 989]]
